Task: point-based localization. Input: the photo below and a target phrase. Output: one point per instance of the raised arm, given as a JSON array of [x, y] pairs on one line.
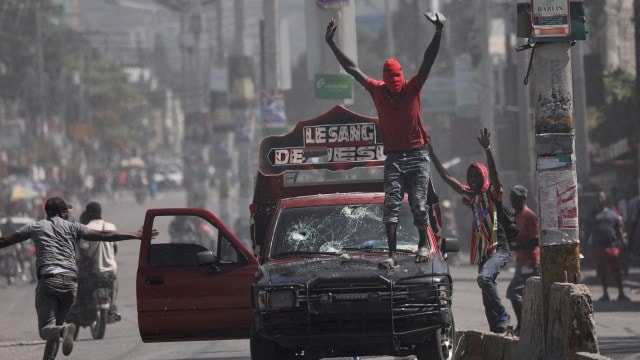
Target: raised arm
[[107, 235], [444, 174], [432, 50], [485, 142], [13, 238], [346, 62]]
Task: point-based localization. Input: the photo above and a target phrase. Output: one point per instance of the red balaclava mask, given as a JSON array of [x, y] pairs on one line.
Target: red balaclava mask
[[392, 75], [478, 185]]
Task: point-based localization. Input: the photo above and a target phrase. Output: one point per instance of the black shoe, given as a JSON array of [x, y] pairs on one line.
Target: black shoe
[[67, 338], [623, 298], [115, 315], [604, 297], [501, 326]]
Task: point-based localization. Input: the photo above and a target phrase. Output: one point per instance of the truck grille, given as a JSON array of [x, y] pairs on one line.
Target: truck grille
[[370, 307]]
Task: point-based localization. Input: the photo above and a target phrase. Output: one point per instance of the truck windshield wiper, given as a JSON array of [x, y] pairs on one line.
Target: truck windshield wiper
[[285, 254]]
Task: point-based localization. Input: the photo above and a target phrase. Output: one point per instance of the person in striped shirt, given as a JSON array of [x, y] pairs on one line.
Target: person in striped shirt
[[489, 246]]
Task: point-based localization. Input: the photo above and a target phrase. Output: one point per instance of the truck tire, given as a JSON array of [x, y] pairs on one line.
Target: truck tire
[[441, 345]]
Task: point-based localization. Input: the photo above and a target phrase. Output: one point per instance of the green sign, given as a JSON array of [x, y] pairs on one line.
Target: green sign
[[333, 86]]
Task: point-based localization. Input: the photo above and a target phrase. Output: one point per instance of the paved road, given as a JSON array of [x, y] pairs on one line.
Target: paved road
[[617, 324]]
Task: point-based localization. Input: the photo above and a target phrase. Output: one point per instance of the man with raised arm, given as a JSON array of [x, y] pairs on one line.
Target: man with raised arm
[[406, 168], [489, 247], [55, 239]]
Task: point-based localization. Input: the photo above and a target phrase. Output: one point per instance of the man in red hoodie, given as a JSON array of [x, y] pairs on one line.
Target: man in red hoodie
[[489, 246], [406, 168]]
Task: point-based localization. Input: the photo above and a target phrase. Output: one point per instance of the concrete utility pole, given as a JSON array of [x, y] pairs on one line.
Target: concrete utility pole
[[636, 15], [194, 102], [566, 325], [556, 169], [42, 112]]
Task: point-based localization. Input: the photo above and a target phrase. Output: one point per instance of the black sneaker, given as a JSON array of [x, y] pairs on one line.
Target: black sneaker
[[501, 326], [622, 297], [115, 315], [604, 297], [67, 338]]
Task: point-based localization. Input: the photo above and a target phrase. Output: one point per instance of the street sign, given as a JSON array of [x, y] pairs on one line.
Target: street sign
[[274, 119], [550, 18], [333, 86]]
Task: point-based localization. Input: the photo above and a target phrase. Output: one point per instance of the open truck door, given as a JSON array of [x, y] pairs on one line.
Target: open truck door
[[194, 279]]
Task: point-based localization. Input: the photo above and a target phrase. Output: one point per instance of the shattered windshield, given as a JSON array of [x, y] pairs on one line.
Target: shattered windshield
[[337, 229]]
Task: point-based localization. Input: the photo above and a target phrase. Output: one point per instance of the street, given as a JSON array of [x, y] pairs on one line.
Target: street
[[617, 324]]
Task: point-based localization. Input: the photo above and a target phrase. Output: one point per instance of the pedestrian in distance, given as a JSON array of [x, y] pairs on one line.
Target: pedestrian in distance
[[526, 247], [101, 255], [489, 246], [56, 239], [406, 168], [605, 237]]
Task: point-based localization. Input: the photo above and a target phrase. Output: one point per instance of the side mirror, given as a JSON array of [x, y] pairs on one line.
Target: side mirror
[[450, 245], [206, 257]]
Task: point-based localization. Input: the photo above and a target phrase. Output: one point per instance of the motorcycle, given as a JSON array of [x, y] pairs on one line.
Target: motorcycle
[[9, 264], [17, 262], [93, 306], [141, 194]]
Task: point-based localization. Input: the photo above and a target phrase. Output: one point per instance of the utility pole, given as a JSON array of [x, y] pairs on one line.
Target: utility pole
[[194, 103], [556, 168], [636, 16], [42, 111], [486, 96], [566, 323]]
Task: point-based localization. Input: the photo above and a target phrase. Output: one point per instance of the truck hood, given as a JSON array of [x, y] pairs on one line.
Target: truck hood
[[305, 270]]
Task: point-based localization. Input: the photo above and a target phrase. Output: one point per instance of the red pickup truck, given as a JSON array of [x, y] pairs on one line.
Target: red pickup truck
[[310, 287]]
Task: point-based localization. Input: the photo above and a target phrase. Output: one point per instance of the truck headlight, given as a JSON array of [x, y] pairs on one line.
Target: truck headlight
[[275, 299], [281, 299]]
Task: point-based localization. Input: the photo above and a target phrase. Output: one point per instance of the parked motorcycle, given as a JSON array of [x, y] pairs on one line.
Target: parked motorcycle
[[17, 262], [93, 306], [9, 264]]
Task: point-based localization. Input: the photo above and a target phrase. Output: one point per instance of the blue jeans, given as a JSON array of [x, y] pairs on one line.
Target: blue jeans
[[515, 290], [407, 172], [54, 298], [488, 272]]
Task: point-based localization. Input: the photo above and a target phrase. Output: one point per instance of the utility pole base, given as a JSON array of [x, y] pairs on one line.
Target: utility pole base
[[559, 263], [571, 324], [571, 328]]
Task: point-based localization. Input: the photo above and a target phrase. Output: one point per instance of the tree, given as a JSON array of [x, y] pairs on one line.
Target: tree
[[616, 120], [20, 44]]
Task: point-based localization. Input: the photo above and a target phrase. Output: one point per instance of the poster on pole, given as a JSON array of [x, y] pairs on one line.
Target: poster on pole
[[558, 199], [550, 18]]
